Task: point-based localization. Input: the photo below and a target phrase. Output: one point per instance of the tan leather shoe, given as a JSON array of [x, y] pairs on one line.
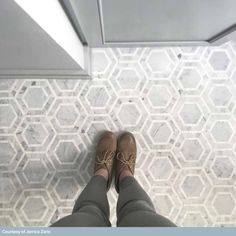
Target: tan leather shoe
[[105, 154], [125, 156]]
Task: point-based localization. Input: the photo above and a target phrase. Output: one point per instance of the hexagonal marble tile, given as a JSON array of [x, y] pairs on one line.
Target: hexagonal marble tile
[[158, 62], [222, 131], [35, 171], [10, 115], [192, 150], [220, 167], [7, 153], [192, 186], [159, 96], [35, 97], [161, 168], [160, 132], [35, 134], [189, 78], [180, 104], [34, 208], [32, 93], [67, 152], [128, 79], [7, 111], [219, 60], [218, 211], [97, 97], [190, 114], [220, 95], [66, 188], [223, 167], [7, 190], [165, 205], [222, 198], [66, 115], [194, 216], [129, 114]]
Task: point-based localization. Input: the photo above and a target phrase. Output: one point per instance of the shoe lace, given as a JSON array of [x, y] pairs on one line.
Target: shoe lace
[[104, 157], [126, 161]]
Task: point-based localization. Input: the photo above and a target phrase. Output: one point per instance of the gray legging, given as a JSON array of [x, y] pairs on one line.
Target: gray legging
[[134, 207]]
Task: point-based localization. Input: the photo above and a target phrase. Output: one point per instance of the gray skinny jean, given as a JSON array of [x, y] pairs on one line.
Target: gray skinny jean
[[134, 207]]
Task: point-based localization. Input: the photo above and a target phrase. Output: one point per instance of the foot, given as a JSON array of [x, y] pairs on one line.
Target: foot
[[125, 157], [105, 154]]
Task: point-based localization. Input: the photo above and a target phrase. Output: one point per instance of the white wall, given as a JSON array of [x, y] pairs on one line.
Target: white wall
[[48, 46]]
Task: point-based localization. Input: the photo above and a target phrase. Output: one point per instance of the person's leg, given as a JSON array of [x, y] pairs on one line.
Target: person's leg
[[134, 207], [92, 208]]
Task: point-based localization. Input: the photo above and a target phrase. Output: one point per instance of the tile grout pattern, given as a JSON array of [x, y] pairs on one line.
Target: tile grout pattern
[[179, 102]]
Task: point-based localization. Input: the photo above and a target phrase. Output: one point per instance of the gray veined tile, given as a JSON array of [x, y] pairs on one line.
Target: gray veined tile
[[160, 168], [35, 133], [160, 132], [67, 84], [128, 80], [194, 216], [190, 113], [219, 96], [167, 202], [221, 204], [35, 170], [35, 207], [10, 115], [130, 55], [35, 97], [65, 188], [11, 153], [219, 62], [94, 126], [220, 131], [67, 152], [103, 62], [192, 186], [9, 218], [192, 150], [7, 87], [220, 168], [129, 113], [10, 189], [66, 87], [67, 115], [159, 62], [98, 97]]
